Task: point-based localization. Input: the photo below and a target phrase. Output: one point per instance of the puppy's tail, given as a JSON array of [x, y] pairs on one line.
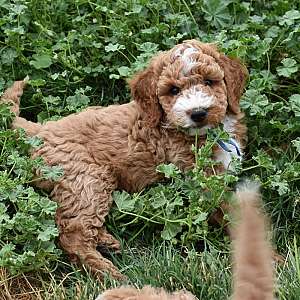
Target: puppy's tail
[[12, 96], [253, 272]]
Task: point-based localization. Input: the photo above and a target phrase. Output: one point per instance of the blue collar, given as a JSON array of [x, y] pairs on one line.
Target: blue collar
[[223, 145]]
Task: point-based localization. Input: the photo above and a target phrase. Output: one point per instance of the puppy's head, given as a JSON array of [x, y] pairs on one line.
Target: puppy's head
[[191, 86]]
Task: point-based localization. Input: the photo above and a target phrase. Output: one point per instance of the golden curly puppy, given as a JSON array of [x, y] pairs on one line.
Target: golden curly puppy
[[181, 93], [253, 272]]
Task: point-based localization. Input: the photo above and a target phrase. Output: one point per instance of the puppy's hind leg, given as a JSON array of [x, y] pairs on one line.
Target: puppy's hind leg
[[84, 199]]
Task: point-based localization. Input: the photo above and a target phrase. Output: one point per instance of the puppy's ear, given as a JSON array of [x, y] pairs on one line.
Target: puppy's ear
[[235, 78], [144, 91]]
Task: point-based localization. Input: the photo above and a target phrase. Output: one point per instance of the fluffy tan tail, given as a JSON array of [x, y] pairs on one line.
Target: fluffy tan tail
[[12, 96], [253, 272]]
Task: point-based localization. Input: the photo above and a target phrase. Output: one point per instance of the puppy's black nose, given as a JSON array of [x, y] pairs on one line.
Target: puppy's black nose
[[198, 115]]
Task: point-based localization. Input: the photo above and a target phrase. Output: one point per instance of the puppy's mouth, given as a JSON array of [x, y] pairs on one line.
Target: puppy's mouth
[[199, 131], [198, 128], [199, 124]]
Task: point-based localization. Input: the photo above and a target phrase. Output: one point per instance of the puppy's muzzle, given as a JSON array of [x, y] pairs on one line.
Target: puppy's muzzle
[[198, 115]]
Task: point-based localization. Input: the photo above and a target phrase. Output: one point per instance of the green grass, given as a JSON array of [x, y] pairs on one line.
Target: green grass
[[206, 274], [79, 53]]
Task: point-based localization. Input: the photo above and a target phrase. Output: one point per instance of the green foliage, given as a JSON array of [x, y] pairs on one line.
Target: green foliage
[[217, 13], [289, 67], [78, 53], [27, 227], [178, 210]]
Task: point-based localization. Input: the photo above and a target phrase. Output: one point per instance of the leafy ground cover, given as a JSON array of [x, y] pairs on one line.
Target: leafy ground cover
[[79, 53]]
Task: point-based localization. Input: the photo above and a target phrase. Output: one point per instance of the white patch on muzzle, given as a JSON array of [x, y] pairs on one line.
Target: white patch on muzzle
[[191, 99]]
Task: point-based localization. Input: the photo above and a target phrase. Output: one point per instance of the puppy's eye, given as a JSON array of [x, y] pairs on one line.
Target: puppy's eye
[[174, 90], [208, 82]]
